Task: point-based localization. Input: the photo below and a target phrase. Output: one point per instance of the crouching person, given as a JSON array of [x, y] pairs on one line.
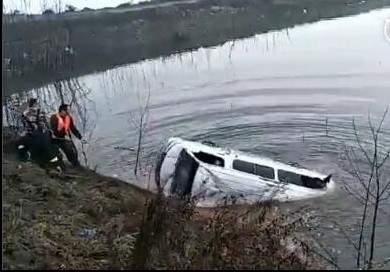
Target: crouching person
[[32, 119], [44, 152], [36, 144], [62, 125]]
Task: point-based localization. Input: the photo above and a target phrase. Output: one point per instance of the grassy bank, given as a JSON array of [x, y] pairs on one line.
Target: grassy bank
[[103, 39], [73, 223], [88, 221]]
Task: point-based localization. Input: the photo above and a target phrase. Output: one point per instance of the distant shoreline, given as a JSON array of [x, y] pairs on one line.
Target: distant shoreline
[[103, 39]]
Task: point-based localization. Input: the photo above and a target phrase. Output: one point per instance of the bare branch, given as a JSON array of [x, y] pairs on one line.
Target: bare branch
[[349, 239], [372, 128], [372, 195], [384, 199], [384, 160], [382, 121], [357, 174], [329, 258], [359, 143], [387, 186], [358, 197]]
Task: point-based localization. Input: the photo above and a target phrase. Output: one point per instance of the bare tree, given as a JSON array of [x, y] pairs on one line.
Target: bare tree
[[48, 12], [139, 119], [371, 187], [70, 8], [139, 93], [135, 83], [27, 6], [44, 6], [58, 6]]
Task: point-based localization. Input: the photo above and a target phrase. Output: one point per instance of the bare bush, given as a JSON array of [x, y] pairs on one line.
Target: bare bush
[[139, 112], [368, 163], [139, 118], [176, 235]]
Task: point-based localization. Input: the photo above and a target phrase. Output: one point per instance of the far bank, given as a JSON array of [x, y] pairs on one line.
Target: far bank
[[38, 48]]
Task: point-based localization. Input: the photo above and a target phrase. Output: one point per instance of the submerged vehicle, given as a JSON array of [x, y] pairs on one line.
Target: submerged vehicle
[[217, 176]]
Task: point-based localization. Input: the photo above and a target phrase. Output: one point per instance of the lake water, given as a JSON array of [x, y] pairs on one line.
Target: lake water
[[290, 95]]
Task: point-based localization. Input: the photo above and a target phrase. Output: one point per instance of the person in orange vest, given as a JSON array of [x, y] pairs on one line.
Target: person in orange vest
[[62, 125]]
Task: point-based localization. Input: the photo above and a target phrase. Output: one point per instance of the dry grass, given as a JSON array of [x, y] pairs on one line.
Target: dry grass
[[174, 235], [43, 218]]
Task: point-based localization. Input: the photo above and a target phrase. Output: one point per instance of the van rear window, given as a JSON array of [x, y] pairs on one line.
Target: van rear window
[[301, 180], [289, 177], [255, 169]]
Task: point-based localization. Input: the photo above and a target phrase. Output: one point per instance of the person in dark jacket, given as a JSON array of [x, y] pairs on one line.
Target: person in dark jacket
[[36, 145], [34, 118], [62, 126], [34, 123]]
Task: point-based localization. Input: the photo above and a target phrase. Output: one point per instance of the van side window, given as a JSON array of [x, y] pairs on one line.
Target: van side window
[[289, 177], [265, 172], [210, 159], [255, 169], [244, 166]]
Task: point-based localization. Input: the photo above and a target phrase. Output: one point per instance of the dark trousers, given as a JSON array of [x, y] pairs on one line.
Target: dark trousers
[[24, 146], [69, 149], [38, 147]]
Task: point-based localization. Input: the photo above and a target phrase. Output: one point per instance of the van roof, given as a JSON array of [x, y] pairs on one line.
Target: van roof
[[195, 147]]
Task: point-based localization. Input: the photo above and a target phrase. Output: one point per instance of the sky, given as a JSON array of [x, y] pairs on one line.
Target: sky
[[35, 6]]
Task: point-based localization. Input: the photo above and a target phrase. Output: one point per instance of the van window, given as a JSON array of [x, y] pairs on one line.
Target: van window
[[265, 171], [244, 166], [210, 159], [289, 177], [255, 169]]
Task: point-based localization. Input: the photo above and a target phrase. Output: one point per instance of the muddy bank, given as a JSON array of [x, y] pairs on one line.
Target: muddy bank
[[87, 221], [63, 223], [37, 53]]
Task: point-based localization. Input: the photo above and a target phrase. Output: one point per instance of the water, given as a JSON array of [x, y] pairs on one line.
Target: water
[[270, 94]]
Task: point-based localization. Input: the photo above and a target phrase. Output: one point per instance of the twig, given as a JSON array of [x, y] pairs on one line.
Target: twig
[[359, 143]]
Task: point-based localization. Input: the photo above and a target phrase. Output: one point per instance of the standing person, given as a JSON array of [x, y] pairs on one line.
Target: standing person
[[62, 125]]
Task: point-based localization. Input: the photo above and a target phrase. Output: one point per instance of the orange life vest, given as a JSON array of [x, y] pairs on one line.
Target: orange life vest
[[63, 125]]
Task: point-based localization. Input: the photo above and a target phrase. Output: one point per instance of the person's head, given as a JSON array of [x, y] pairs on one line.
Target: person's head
[[32, 102], [63, 110]]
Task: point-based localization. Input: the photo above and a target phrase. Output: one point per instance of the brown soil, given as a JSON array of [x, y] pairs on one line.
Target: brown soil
[[44, 216]]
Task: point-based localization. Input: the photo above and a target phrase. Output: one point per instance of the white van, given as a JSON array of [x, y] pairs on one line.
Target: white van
[[212, 174]]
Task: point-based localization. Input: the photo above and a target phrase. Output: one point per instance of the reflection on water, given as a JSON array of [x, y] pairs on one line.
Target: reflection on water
[[290, 95]]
